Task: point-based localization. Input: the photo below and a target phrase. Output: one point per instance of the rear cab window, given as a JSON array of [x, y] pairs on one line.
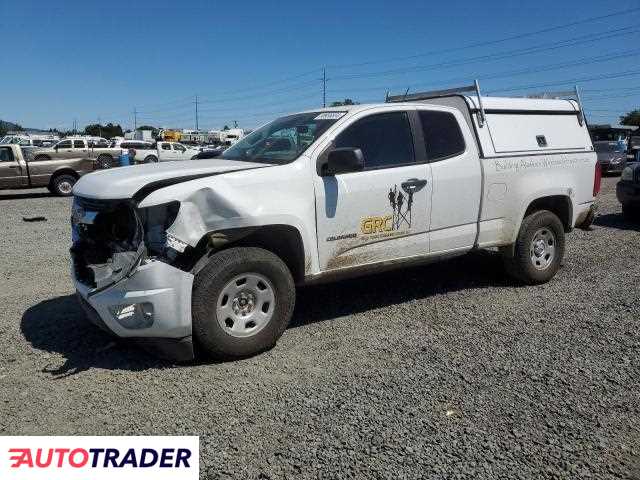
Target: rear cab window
[[442, 135], [78, 144]]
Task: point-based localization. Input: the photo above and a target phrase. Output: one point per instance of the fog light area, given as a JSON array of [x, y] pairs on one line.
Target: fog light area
[[133, 316]]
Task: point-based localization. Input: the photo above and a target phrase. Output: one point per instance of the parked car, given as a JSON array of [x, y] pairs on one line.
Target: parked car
[[213, 249], [612, 156], [28, 141], [148, 152], [210, 153], [628, 191], [59, 176], [67, 148]]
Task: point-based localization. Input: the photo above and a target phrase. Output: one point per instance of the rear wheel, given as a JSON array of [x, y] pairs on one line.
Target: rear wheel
[[539, 249], [151, 159], [62, 184], [242, 302], [104, 162], [630, 214]]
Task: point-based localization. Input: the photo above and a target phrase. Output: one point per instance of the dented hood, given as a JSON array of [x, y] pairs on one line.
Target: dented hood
[[125, 182]]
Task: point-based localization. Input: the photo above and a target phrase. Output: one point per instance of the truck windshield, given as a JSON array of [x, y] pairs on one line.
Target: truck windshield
[[284, 139]]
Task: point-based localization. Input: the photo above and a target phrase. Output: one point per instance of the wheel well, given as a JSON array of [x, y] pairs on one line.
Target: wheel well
[[284, 241], [558, 204], [64, 171]]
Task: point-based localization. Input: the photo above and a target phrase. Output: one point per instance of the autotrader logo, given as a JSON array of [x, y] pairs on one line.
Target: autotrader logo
[[72, 458]]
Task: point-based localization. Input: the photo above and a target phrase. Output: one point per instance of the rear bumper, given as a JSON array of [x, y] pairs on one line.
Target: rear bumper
[[161, 291], [612, 167]]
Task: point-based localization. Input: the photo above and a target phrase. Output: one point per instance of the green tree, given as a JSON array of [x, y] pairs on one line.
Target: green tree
[[107, 131], [632, 118], [226, 127], [346, 101]]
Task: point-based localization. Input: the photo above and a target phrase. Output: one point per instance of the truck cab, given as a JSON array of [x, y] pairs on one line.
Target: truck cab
[[213, 249]]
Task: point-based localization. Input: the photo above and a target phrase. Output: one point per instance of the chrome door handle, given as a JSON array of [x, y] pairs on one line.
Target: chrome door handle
[[414, 184]]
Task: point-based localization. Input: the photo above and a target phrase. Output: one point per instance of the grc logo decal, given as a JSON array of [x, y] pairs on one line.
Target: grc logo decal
[[138, 457]]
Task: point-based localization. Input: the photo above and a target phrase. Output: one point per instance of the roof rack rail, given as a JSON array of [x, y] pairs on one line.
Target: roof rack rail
[[575, 94], [414, 97]]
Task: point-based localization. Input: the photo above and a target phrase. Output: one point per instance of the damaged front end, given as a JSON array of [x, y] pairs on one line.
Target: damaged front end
[[127, 273]]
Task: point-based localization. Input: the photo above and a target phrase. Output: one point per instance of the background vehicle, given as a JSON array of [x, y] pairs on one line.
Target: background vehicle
[[612, 156], [209, 153], [140, 151], [325, 194], [59, 176], [30, 140], [628, 191], [67, 148]]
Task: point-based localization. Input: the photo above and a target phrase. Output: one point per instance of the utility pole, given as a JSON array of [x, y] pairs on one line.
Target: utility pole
[[235, 124], [196, 112], [135, 119], [324, 87], [100, 126]]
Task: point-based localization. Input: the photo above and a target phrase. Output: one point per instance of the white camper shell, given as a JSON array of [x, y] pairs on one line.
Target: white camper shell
[[213, 249]]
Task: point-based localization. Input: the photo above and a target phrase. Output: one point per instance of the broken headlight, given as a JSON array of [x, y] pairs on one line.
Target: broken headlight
[[157, 220]]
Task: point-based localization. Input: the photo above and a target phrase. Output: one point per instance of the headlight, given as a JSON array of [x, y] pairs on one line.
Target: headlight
[[627, 174]]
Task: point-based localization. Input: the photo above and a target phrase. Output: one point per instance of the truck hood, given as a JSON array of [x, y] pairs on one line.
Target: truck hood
[[125, 182]]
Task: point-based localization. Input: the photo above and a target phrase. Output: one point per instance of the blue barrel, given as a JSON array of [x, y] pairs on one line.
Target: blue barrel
[[124, 159]]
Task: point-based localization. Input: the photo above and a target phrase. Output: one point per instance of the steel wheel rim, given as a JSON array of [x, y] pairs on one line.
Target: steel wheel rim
[[542, 250], [245, 305], [65, 187]]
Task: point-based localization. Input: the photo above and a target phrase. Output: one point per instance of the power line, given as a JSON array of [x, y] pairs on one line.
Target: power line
[[498, 56], [489, 42]]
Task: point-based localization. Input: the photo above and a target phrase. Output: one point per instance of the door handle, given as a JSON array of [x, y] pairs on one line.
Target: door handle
[[413, 184]]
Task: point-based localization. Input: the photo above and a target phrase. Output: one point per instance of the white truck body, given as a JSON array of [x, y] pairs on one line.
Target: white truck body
[[147, 152], [468, 187]]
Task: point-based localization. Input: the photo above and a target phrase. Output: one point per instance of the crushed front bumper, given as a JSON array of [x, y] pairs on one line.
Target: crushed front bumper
[[151, 307]]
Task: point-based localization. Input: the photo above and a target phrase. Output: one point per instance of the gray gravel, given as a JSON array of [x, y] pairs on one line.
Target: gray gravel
[[446, 371]]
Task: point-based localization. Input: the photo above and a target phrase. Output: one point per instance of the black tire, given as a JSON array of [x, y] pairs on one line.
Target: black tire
[[63, 184], [521, 266], [630, 214], [104, 161], [41, 158], [208, 286], [151, 159]]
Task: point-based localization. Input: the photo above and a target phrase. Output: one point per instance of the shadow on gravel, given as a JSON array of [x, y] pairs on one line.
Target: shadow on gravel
[[325, 302], [616, 220], [59, 326], [19, 196]]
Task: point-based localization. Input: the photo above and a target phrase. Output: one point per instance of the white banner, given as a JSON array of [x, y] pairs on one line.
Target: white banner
[[97, 458]]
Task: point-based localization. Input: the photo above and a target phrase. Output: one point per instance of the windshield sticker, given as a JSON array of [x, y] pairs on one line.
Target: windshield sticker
[[330, 115]]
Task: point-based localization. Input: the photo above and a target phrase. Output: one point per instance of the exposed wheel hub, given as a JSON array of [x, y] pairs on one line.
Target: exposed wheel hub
[[246, 305], [243, 303], [543, 248]]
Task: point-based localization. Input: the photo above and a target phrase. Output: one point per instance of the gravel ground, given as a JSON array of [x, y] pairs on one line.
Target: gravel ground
[[445, 371]]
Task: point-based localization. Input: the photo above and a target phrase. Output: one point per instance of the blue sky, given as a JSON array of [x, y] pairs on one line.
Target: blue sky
[[248, 61]]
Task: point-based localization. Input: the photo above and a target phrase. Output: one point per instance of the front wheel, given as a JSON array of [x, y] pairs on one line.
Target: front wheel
[[242, 302], [539, 249], [104, 162], [62, 185]]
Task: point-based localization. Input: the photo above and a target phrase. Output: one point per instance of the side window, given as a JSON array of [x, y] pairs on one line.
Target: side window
[[166, 146], [65, 144], [442, 134], [385, 140], [6, 154], [78, 144], [178, 147]]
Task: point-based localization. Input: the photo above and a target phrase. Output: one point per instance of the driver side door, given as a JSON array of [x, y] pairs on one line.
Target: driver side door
[[382, 212]]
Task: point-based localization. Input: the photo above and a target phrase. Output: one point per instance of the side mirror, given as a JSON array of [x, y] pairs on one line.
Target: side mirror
[[343, 160]]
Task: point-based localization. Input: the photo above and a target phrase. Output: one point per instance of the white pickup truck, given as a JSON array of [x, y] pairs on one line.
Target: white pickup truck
[[212, 250], [150, 152]]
